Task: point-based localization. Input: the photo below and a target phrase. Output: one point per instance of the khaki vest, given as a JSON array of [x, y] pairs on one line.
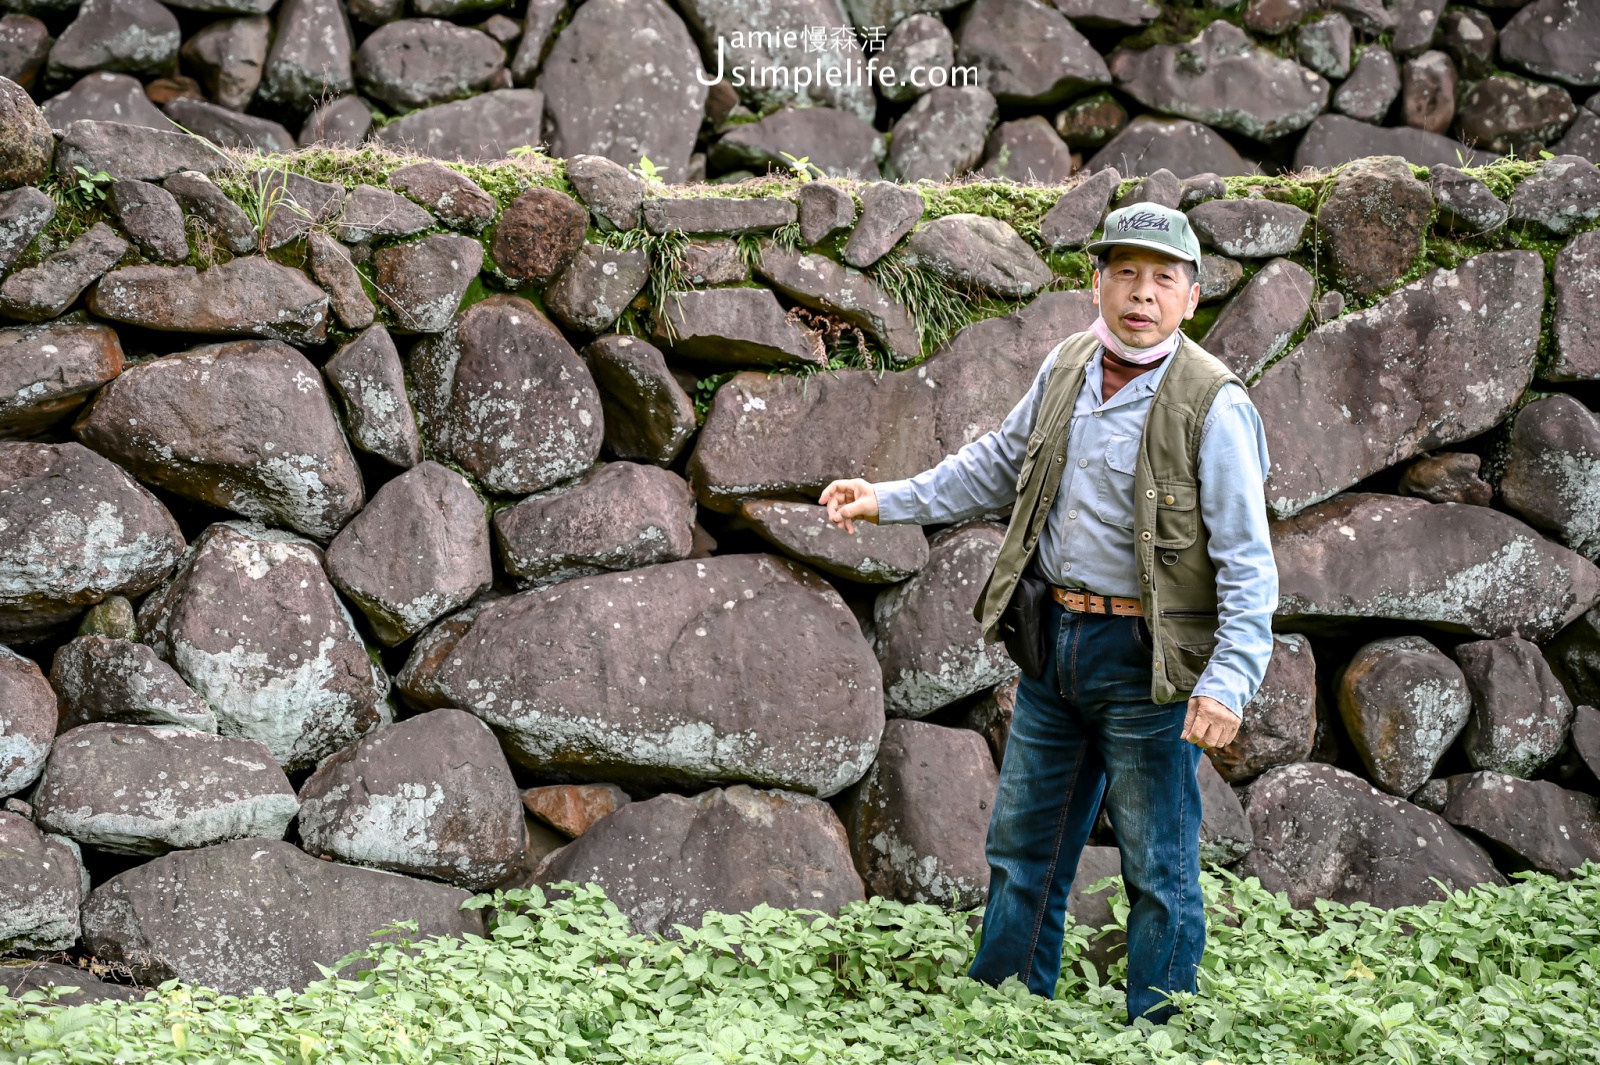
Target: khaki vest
[[1177, 582]]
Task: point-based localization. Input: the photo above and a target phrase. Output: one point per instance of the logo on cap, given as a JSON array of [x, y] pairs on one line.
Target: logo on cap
[[1144, 220]]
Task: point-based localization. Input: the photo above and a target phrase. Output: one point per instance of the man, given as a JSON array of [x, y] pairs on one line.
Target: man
[[1136, 465]]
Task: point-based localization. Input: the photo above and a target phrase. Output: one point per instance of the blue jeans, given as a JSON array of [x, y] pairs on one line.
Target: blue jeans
[[1087, 728]]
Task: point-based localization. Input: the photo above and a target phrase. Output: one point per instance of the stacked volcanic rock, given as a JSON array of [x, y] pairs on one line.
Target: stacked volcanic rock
[[903, 89], [373, 539]]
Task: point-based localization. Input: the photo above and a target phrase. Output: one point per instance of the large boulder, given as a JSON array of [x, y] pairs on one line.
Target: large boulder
[[1576, 324], [665, 861], [78, 529], [423, 283], [827, 285], [251, 622], [1323, 833], [27, 721], [1555, 39], [310, 57], [42, 884], [538, 234], [1520, 712], [1279, 725], [245, 425], [1536, 824], [976, 252], [256, 913], [1150, 143], [104, 678], [770, 435], [25, 156], [1373, 223], [132, 152], [429, 796], [1403, 701], [413, 63], [1027, 53], [1255, 326], [837, 143], [648, 416], [918, 819], [1443, 359], [1463, 568], [929, 645], [873, 554], [134, 789], [1551, 474], [735, 327], [758, 39], [481, 128], [250, 296], [1333, 140], [78, 986], [942, 135], [53, 284], [369, 381], [502, 395], [770, 680]]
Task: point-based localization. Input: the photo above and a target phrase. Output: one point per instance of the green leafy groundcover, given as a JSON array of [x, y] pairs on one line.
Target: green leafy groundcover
[[1506, 974]]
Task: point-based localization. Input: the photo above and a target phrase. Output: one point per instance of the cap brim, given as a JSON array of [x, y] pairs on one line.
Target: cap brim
[[1135, 242]]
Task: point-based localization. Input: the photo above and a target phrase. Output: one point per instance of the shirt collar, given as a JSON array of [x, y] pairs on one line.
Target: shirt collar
[[1138, 388]]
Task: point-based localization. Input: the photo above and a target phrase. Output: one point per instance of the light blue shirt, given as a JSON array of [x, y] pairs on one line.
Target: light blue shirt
[[1088, 536]]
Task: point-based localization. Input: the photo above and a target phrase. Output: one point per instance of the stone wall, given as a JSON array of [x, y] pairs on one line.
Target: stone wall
[[366, 515]]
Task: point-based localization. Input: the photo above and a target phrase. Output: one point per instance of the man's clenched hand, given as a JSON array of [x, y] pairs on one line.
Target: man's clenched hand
[[1209, 723], [849, 500]]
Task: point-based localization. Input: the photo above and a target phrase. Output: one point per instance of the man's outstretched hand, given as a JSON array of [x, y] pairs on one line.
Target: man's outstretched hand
[[1209, 723], [848, 500]]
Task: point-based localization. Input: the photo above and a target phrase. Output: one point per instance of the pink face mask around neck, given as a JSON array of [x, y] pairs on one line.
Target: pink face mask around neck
[[1137, 356]]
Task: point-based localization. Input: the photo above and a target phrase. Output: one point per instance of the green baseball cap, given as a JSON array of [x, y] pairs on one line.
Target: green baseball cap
[[1149, 225]]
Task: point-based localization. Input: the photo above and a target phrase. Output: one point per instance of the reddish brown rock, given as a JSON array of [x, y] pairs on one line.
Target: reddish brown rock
[[249, 296], [1449, 477], [455, 198], [572, 809], [1373, 222], [48, 371], [538, 234], [1403, 702], [1534, 823]]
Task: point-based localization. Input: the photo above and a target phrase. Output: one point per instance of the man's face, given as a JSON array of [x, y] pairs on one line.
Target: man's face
[[1143, 295]]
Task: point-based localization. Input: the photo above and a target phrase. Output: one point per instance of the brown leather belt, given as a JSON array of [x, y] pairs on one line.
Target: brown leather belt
[[1086, 603]]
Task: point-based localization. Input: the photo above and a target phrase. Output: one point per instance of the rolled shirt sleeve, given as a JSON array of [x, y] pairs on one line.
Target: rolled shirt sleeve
[[1232, 471]]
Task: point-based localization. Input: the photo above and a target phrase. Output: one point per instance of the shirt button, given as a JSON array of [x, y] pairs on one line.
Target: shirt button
[[1082, 463], [1097, 414], [1072, 514], [1065, 566]]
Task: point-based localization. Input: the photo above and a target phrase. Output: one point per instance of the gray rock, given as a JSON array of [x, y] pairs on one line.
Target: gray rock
[[256, 914], [1428, 92], [151, 216], [618, 516], [928, 644], [1323, 833], [416, 552], [106, 97], [26, 143], [1576, 323], [777, 435], [223, 219], [371, 213], [430, 796], [648, 416], [873, 554], [825, 210], [978, 252], [271, 449], [343, 122], [1255, 326], [1223, 79], [537, 30], [1535, 823], [230, 129], [100, 678], [1386, 362], [422, 283], [24, 44], [1550, 466], [1329, 306], [1250, 229], [1078, 213], [593, 290], [1323, 45], [132, 789], [1274, 17], [1416, 23], [1554, 39], [620, 81], [481, 128], [1586, 737], [122, 36], [49, 288], [1162, 187], [47, 372], [23, 215], [1279, 724], [78, 986], [79, 529], [250, 296], [251, 7], [759, 38], [511, 444], [27, 722], [1091, 121], [1028, 151], [918, 819], [1563, 194], [611, 190], [1219, 276], [1373, 222], [1582, 137], [42, 884], [943, 135], [1372, 86], [1333, 140], [888, 212], [1465, 203], [1506, 114], [919, 40], [1109, 14], [251, 622], [1520, 712], [1403, 703], [456, 199], [788, 640], [824, 284], [1461, 568], [369, 382], [1225, 834], [1470, 38], [419, 62], [663, 862], [1027, 53], [293, 204], [709, 214], [837, 143], [1370, 17], [310, 57], [1451, 477], [1150, 143], [332, 267], [229, 55], [734, 327]]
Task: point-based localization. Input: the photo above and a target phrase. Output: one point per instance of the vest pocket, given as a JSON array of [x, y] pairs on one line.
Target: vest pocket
[[1114, 495], [1176, 525], [1191, 639]]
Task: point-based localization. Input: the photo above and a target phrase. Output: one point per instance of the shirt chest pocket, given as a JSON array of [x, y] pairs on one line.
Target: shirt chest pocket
[[1114, 494]]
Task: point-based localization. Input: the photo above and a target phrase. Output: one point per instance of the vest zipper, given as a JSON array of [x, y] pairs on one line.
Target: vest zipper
[[1188, 613]]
